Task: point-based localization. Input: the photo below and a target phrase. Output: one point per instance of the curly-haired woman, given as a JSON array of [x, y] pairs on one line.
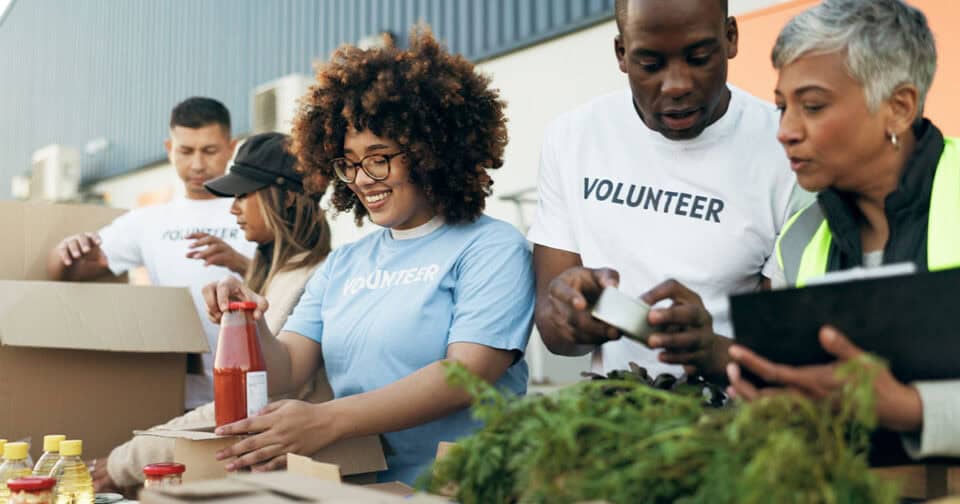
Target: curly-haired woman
[[408, 136]]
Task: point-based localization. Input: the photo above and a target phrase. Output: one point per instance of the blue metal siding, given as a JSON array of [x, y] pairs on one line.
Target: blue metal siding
[[75, 70]]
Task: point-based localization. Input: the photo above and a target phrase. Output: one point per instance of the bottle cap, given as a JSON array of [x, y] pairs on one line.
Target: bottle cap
[[51, 442], [164, 469], [15, 451], [31, 484], [242, 305], [71, 447]]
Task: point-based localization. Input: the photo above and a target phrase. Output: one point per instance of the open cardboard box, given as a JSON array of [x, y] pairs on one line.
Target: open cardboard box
[[79, 358], [319, 478], [355, 460]]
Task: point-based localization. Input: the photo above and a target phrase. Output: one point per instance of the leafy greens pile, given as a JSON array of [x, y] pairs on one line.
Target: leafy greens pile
[[626, 441]]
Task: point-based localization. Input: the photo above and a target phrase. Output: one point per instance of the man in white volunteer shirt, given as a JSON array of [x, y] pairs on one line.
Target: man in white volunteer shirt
[[679, 177], [184, 243]]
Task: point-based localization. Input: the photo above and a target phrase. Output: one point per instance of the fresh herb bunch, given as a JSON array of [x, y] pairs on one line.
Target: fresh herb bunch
[[624, 441]]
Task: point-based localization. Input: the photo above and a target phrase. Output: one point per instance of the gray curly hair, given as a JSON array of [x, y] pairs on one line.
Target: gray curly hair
[[887, 43]]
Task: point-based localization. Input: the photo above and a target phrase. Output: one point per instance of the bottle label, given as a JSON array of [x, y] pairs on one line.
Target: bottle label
[[256, 392]]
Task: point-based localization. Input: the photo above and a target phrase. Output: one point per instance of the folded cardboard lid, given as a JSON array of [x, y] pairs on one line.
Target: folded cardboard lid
[[393, 488], [109, 317], [189, 432], [303, 487], [353, 456], [32, 229], [269, 487]]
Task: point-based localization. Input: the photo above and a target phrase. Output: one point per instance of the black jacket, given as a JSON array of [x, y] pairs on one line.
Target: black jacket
[[907, 210]]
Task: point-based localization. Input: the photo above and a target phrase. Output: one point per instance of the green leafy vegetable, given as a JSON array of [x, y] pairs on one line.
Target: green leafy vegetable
[[624, 441]]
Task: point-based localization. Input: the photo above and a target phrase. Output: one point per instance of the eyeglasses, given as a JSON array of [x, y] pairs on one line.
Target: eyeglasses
[[376, 166]]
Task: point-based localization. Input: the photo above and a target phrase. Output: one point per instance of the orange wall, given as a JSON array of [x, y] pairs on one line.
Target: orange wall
[[752, 71]]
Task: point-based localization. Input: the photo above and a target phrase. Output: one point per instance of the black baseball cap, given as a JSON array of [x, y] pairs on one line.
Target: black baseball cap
[[262, 161]]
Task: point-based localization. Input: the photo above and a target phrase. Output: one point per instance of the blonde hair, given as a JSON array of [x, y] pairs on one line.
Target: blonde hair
[[299, 226]]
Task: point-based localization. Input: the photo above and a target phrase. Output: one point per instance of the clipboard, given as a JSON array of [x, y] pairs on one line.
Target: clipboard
[[911, 321]]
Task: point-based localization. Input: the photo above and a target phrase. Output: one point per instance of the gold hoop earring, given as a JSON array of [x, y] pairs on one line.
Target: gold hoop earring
[[895, 140]]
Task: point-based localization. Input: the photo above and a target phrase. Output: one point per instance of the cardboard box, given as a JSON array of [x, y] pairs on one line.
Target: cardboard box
[[923, 481], [30, 230], [305, 480], [276, 488], [355, 460], [80, 358]]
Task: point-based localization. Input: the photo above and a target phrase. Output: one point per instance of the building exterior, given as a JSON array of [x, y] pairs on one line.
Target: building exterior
[[101, 77]]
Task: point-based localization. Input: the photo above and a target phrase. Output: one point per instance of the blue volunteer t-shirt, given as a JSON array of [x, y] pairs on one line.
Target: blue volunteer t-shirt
[[382, 308]]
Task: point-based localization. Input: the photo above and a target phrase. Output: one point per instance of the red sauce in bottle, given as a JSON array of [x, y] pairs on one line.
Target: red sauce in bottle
[[239, 371]]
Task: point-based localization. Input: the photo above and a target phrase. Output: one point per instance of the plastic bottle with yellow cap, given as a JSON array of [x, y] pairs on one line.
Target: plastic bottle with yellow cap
[[14, 466], [74, 484], [51, 454]]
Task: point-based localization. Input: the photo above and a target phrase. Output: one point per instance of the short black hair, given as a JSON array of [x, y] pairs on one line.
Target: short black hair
[[198, 111], [620, 12]]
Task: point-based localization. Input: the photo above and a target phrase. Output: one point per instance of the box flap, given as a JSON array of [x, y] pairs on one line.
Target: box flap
[[352, 456], [276, 486], [443, 448], [219, 490], [153, 497], [211, 488], [303, 487], [35, 228], [193, 433], [355, 455], [393, 488], [85, 316], [305, 466]]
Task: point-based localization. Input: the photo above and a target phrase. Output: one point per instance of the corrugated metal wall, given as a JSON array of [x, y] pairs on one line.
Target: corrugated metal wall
[[76, 70]]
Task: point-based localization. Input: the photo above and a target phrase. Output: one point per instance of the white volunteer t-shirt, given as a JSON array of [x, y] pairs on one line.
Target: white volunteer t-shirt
[[155, 237], [705, 211]]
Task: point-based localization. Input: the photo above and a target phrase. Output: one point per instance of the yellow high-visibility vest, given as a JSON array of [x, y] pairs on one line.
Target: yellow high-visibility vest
[[803, 247]]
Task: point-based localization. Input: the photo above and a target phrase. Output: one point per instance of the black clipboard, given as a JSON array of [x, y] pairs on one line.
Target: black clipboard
[[912, 321]]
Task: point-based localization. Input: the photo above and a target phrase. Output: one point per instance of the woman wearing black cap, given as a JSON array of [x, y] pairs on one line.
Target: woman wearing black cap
[[293, 239]]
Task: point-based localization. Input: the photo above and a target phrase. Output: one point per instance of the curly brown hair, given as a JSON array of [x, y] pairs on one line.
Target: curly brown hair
[[440, 110]]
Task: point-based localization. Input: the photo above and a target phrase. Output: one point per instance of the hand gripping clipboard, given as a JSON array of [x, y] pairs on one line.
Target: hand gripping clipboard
[[911, 321]]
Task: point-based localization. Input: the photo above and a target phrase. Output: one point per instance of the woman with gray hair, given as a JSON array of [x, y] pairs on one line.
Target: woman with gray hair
[[853, 77]]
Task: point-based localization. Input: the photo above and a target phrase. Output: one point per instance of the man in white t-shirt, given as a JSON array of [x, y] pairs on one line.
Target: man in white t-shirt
[[187, 242], [679, 177]]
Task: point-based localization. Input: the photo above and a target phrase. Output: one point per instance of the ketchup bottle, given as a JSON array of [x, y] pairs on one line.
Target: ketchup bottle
[[239, 371]]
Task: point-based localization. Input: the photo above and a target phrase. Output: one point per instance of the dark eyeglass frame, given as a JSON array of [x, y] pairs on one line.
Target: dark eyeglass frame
[[359, 165]]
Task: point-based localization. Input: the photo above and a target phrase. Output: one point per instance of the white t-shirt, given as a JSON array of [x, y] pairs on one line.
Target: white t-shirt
[[155, 237], [704, 211]]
